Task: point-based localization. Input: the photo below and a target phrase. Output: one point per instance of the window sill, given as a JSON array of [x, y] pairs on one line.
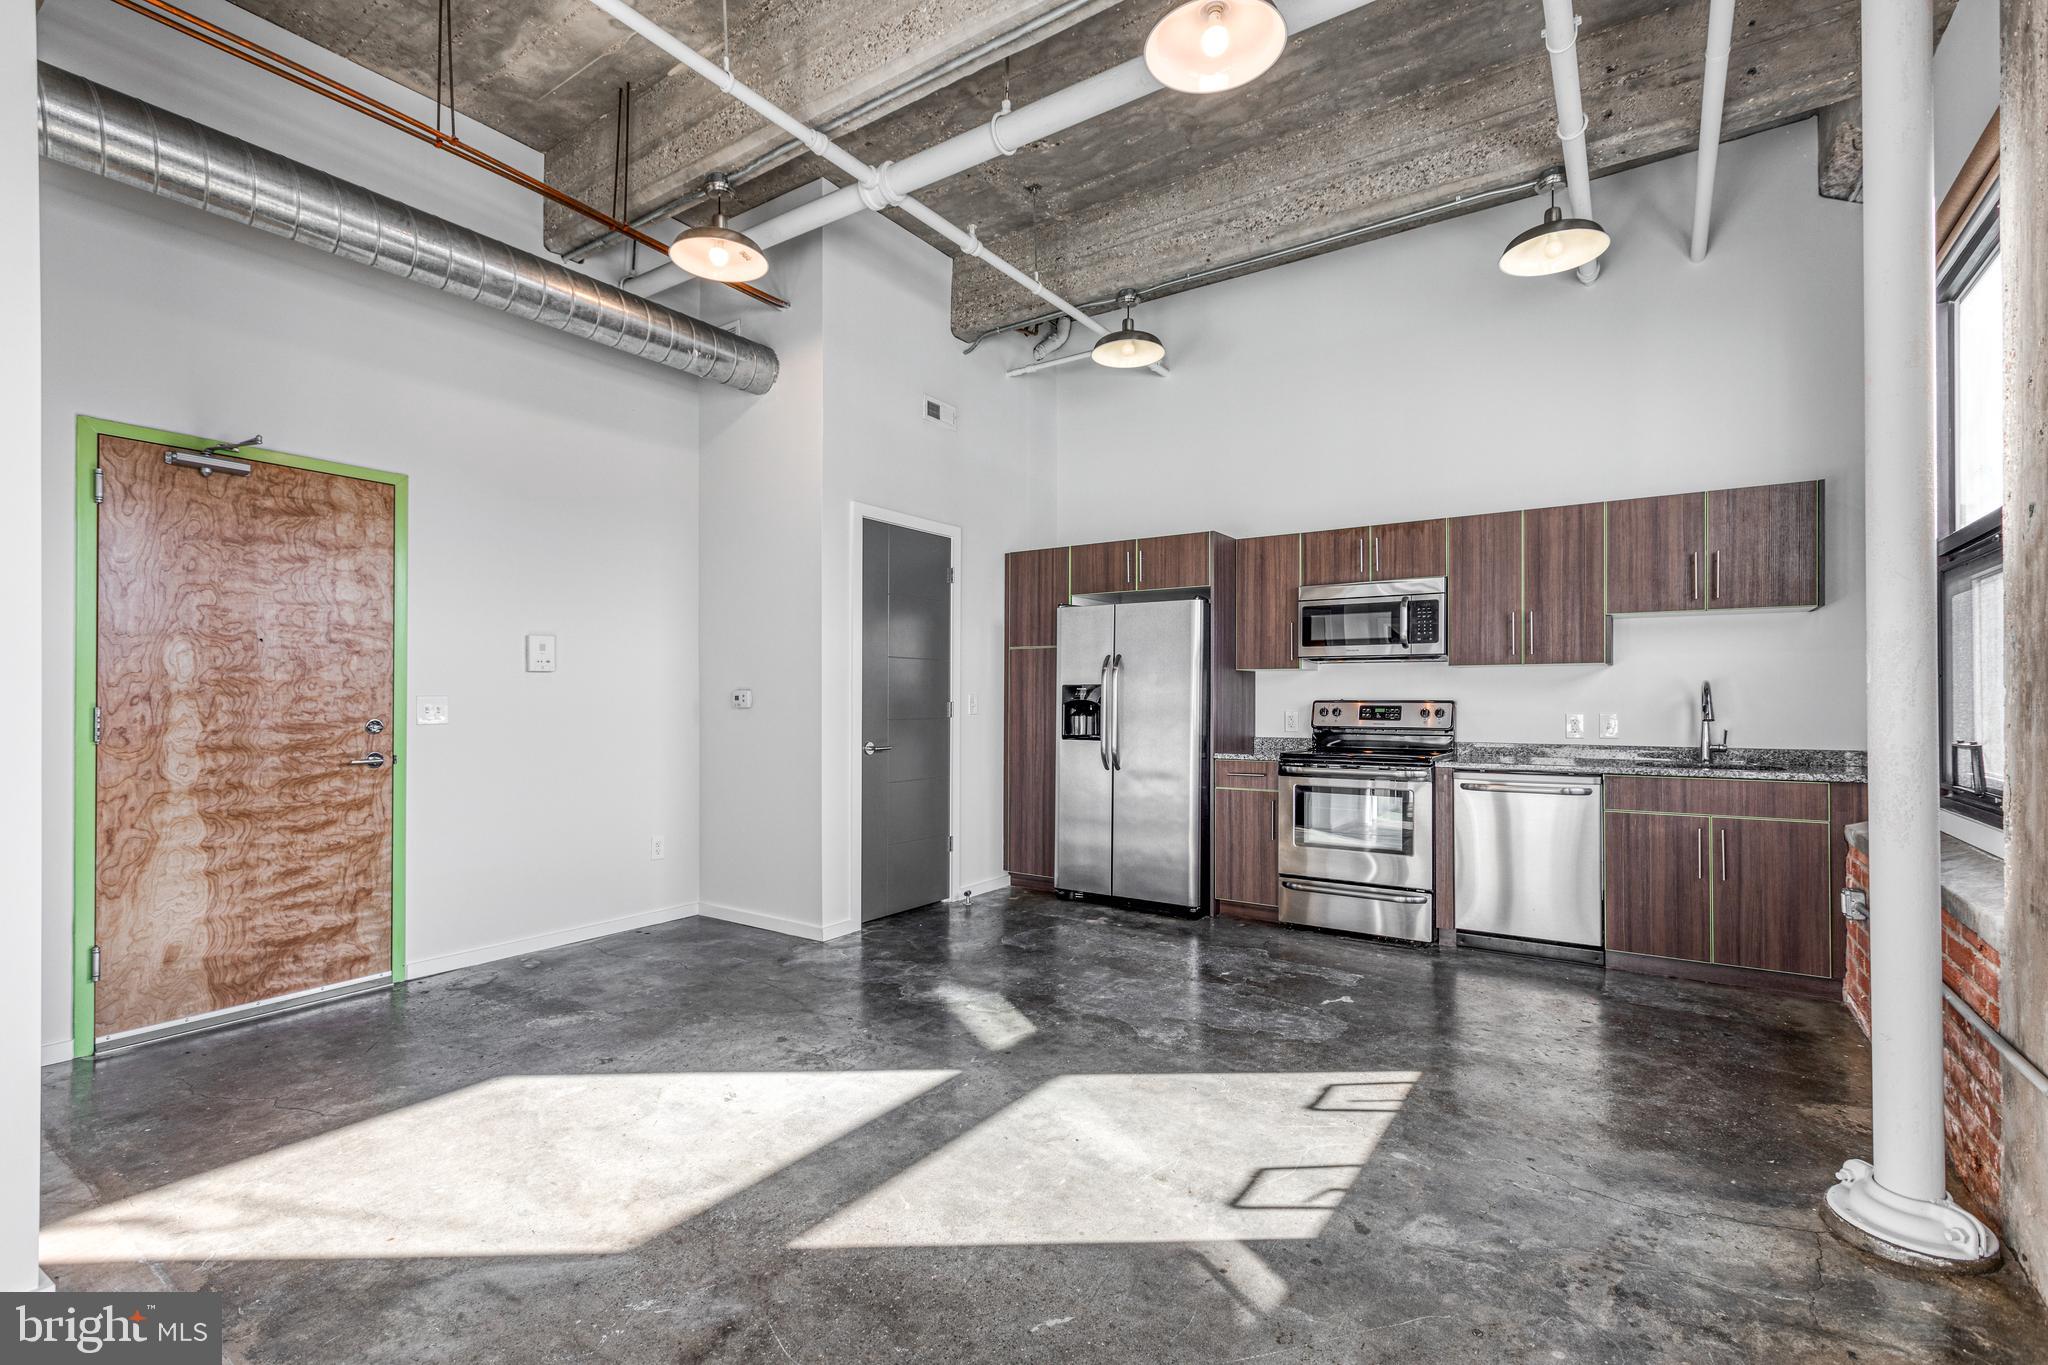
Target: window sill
[[1972, 884]]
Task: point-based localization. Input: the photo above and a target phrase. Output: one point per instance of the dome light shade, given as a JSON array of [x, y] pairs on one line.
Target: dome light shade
[[1127, 348], [1205, 47], [1555, 245], [719, 253]]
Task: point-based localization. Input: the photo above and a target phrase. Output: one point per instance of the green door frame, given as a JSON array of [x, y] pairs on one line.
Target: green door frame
[[85, 689]]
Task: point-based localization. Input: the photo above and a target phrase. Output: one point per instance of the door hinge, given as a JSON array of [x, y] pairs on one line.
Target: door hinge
[[950, 574], [98, 719], [92, 967], [949, 843], [99, 484], [949, 710]]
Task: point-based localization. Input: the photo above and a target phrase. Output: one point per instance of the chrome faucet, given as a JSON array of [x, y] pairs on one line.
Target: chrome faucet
[[1707, 746]]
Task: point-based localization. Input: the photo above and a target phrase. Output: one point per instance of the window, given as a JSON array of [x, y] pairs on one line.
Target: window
[[1970, 317]]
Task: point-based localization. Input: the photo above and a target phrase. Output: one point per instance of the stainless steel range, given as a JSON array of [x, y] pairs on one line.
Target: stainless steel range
[[1360, 853]]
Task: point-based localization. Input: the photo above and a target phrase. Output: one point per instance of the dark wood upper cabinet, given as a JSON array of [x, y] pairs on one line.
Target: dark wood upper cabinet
[[1247, 847], [1174, 561], [1764, 546], [1657, 891], [1657, 553], [1771, 895], [1108, 566], [1030, 701], [1564, 613], [1268, 581], [1407, 549], [1336, 556], [1034, 586], [1486, 589]]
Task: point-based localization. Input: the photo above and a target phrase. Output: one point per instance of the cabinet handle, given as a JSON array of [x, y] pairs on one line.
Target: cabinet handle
[[1141, 568], [1375, 554], [1699, 854], [1529, 625], [1512, 640], [1276, 817], [1127, 566], [1714, 573], [1361, 556], [1724, 852], [1692, 571]]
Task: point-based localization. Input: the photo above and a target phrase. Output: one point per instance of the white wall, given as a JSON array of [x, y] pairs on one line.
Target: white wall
[[1965, 86], [554, 488], [1410, 378]]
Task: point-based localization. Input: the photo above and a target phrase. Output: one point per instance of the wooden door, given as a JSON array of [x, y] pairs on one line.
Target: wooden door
[[1030, 692], [1564, 614], [1771, 895], [1174, 561], [1486, 589], [1247, 847], [1657, 553], [1407, 549], [1764, 547], [1335, 556], [1034, 586], [1107, 566], [1268, 581], [1657, 889], [245, 647]]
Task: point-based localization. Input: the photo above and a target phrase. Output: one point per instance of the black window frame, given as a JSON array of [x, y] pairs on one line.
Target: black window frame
[[1960, 548]]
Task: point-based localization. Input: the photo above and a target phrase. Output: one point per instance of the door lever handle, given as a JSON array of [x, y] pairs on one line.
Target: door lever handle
[[871, 748], [373, 761]]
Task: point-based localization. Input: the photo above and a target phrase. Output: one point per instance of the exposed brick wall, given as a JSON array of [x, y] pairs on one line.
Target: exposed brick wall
[[1972, 1087]]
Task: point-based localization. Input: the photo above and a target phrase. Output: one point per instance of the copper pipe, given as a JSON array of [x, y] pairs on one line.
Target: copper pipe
[[277, 64]]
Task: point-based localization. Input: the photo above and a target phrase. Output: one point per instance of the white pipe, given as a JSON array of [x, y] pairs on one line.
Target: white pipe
[[1004, 134], [1713, 94], [1053, 363], [825, 147], [1561, 41], [1899, 1199]]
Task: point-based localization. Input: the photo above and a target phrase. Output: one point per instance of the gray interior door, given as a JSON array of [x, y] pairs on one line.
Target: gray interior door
[[906, 682]]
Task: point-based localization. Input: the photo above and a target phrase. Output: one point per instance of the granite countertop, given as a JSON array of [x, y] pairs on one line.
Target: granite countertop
[[1972, 884], [1267, 748], [1784, 765]]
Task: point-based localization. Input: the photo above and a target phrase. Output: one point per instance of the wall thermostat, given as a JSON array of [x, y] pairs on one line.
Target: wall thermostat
[[540, 654]]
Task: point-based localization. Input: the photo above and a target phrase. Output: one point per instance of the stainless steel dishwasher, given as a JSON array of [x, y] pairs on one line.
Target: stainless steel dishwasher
[[1527, 872]]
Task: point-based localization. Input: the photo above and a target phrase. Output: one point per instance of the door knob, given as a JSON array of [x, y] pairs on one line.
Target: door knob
[[871, 748], [373, 761]]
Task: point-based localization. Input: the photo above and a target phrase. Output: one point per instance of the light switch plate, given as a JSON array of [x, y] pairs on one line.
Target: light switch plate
[[540, 654], [743, 699], [432, 711], [1610, 725], [973, 703], [1575, 726]]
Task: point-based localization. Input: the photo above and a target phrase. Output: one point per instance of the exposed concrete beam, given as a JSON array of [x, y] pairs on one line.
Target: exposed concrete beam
[[819, 61], [1840, 130], [1367, 160]]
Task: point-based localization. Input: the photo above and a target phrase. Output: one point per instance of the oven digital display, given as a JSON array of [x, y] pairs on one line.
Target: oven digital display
[[1392, 713]]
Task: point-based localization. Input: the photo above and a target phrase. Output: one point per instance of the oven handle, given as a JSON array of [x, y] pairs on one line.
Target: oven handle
[[1524, 787], [1330, 889], [1360, 776]]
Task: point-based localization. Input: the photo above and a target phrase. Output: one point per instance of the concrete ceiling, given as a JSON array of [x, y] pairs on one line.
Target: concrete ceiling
[[1403, 107]]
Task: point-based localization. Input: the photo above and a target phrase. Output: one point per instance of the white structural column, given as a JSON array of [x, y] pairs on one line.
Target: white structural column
[[1713, 95], [21, 681], [1898, 1202]]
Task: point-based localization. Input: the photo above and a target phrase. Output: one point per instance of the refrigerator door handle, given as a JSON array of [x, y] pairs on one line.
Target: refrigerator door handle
[[1102, 733], [1116, 712]]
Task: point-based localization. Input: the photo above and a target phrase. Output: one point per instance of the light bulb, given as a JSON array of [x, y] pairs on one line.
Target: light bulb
[[1216, 37], [1553, 245], [1129, 348], [718, 256]]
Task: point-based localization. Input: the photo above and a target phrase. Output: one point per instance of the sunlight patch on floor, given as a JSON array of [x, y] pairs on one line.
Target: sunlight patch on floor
[[1127, 1158], [517, 1166], [995, 1023]]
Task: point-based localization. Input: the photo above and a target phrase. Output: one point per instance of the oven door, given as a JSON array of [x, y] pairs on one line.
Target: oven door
[[1374, 627], [1360, 827]]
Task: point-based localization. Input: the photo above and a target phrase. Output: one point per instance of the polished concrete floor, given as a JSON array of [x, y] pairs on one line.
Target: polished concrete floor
[[1011, 1130]]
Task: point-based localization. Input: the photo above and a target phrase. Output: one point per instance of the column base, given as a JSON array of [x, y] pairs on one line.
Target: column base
[[1916, 1232]]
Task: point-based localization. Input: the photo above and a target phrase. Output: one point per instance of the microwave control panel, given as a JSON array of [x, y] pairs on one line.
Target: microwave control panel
[[1424, 621]]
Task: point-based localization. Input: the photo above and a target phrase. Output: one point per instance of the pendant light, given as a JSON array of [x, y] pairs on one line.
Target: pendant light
[[717, 252], [1556, 244], [1208, 46], [1127, 348]]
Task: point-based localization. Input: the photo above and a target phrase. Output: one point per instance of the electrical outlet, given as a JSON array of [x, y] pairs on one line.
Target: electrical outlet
[[432, 711], [973, 703], [1574, 727], [658, 849], [1610, 725], [1290, 721], [743, 699]]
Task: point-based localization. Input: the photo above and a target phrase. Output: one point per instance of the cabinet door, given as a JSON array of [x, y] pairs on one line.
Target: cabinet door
[[1771, 895], [1657, 889], [1030, 692], [1268, 579], [1034, 585], [1174, 561], [1657, 553], [1407, 549], [1108, 566], [1764, 546], [1486, 589], [1247, 847], [1335, 556], [1564, 611]]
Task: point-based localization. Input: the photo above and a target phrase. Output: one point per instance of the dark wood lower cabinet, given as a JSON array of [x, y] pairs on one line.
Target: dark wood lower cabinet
[[1657, 893], [1771, 895], [1030, 688], [1247, 843]]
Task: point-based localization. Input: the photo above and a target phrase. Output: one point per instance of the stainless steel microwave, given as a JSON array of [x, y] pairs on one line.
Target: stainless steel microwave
[[1402, 618]]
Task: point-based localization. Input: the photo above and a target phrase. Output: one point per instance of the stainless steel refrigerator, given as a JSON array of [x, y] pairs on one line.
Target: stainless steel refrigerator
[[1134, 736]]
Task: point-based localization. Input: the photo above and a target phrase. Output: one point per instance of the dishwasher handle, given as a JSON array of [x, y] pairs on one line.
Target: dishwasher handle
[[1534, 788]]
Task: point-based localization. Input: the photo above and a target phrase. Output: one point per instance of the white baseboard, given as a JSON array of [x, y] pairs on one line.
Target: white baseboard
[[999, 882], [554, 938], [59, 1051], [780, 924]]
